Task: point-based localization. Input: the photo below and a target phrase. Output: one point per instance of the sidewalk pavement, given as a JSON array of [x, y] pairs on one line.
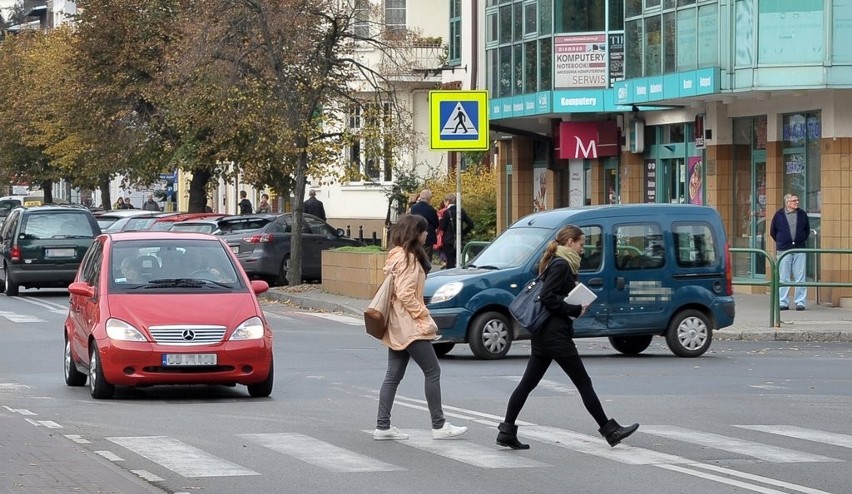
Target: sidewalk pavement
[[41, 460], [817, 323]]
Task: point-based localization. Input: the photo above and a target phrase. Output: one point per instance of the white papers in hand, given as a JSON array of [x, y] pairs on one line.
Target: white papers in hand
[[580, 295]]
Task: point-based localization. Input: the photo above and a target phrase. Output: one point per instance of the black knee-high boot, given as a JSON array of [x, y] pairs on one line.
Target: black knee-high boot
[[614, 433], [508, 436]]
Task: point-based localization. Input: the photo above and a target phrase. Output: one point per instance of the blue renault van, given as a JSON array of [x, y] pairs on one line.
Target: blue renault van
[[657, 269]]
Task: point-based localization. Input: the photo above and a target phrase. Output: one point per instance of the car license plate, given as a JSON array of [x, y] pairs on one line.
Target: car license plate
[[60, 252], [188, 359]]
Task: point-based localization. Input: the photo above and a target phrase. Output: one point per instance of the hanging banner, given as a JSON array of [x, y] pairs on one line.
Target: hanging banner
[[650, 181], [695, 180]]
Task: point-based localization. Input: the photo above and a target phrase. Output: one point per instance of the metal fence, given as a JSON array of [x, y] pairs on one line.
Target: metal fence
[[774, 283]]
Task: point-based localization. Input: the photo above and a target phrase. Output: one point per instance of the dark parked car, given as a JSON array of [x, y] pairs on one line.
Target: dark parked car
[[266, 253], [231, 228], [42, 246]]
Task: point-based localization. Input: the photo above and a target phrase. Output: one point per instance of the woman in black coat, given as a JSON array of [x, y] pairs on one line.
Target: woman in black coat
[[554, 341]]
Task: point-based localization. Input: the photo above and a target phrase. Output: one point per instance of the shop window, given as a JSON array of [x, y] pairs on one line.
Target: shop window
[[616, 15], [517, 22], [672, 134], [669, 42], [545, 67], [491, 28], [505, 13], [505, 71], [632, 8], [633, 40], [530, 19], [518, 69], [580, 16], [801, 162], [653, 45], [545, 16], [530, 67]]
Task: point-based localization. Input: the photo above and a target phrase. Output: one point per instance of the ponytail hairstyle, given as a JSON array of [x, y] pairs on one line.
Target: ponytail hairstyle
[[568, 232], [406, 234]]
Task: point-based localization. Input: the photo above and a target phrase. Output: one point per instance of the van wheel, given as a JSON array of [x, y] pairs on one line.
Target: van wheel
[[490, 336], [630, 345], [689, 333], [442, 349], [10, 288]]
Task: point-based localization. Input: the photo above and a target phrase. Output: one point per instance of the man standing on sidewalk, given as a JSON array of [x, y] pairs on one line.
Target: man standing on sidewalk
[[423, 208], [790, 229]]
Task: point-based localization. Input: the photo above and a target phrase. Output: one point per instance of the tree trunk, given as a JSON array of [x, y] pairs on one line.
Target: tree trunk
[[106, 197], [198, 190], [294, 275], [47, 188]]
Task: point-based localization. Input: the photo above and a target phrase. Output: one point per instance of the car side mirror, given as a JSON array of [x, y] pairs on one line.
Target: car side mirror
[[341, 232], [82, 289], [259, 286]]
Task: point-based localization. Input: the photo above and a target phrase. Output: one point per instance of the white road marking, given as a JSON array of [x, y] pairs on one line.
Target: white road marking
[[51, 306], [14, 317], [758, 478], [180, 457], [21, 411], [596, 446], [109, 455], [735, 483], [748, 448], [146, 475], [78, 439], [44, 423], [12, 387], [350, 320], [834, 439], [319, 453], [466, 452]]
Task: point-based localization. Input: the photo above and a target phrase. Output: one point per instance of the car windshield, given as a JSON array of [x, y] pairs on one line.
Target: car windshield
[[513, 248], [156, 264]]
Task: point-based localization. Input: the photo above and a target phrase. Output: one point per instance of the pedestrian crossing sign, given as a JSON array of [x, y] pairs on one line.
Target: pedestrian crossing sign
[[459, 120]]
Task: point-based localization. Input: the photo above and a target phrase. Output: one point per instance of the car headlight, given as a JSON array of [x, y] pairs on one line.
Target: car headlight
[[116, 329], [447, 292], [250, 329]]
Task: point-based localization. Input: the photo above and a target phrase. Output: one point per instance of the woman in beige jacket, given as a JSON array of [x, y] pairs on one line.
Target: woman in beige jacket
[[410, 330]]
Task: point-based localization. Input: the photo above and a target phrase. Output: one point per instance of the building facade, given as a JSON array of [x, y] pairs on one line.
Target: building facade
[[726, 103]]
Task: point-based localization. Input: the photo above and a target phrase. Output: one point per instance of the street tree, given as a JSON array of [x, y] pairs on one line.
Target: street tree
[[297, 79]]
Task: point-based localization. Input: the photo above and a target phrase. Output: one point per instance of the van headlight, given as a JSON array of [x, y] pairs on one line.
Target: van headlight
[[447, 292]]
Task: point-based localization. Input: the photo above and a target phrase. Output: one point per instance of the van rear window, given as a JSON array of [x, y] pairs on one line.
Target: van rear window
[[695, 245]]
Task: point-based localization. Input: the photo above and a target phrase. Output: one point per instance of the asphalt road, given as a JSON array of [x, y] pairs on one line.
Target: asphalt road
[[764, 417]]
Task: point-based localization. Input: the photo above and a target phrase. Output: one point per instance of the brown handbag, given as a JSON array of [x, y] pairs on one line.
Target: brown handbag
[[377, 313]]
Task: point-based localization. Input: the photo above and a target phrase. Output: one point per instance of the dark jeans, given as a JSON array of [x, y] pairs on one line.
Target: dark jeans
[[573, 367], [424, 356], [450, 253]]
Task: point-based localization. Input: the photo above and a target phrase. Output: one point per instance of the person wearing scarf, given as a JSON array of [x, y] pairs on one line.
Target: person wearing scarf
[[554, 341]]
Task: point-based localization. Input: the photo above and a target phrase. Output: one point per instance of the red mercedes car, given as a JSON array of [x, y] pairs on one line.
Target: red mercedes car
[[152, 308]]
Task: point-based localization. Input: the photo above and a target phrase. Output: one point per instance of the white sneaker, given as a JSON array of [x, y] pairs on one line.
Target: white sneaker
[[448, 431], [389, 434]]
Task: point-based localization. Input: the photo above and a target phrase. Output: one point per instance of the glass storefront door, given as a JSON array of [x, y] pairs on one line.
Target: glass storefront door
[[750, 228]]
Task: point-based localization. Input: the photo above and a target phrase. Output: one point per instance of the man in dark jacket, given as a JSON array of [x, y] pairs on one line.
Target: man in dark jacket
[[423, 208], [314, 206], [244, 204], [447, 225], [790, 229]]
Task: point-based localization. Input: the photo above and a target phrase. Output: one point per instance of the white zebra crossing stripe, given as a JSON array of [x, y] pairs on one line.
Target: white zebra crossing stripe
[[319, 453], [834, 439], [180, 457], [596, 446], [737, 483], [760, 451], [19, 317], [466, 451]]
